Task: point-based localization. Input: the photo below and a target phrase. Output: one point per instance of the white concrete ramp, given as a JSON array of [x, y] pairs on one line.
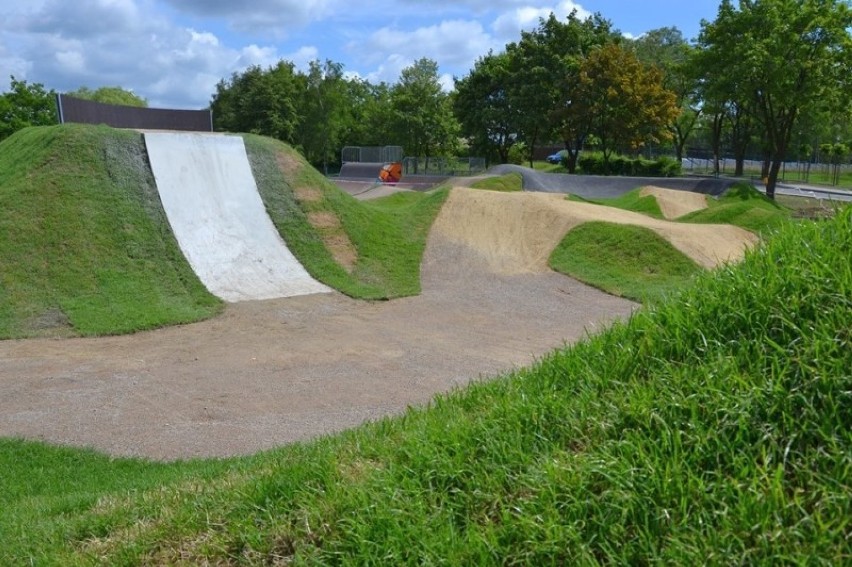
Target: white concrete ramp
[[211, 200]]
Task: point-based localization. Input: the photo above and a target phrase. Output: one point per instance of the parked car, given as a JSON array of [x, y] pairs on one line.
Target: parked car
[[557, 157]]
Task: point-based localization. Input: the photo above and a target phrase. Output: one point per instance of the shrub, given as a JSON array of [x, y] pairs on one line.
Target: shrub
[[593, 163]]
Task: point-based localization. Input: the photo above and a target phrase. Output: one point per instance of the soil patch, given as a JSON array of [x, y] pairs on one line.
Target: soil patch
[[674, 203], [515, 233]]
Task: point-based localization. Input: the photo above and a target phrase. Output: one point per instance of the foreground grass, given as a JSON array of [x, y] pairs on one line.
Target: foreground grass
[[624, 260], [388, 235], [710, 429], [85, 247]]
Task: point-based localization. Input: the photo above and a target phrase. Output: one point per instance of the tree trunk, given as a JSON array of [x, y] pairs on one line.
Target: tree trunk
[[679, 149], [572, 161], [772, 178], [739, 162]]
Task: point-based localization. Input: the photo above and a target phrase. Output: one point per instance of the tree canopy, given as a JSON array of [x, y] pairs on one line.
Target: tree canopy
[[26, 105], [782, 56], [110, 95]]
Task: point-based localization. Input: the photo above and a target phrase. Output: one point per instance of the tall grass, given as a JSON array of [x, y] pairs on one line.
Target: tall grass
[[711, 429]]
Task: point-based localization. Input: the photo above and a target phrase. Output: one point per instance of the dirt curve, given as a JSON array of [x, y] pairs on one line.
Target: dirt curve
[[267, 373]]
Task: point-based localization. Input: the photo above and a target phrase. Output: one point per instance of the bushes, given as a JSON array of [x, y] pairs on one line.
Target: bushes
[[594, 164]]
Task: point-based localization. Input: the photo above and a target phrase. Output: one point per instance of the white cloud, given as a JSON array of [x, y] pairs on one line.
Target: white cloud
[[508, 26], [71, 60], [98, 43], [302, 58]]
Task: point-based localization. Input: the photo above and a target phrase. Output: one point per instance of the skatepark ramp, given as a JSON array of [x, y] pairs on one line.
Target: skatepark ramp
[[215, 211]]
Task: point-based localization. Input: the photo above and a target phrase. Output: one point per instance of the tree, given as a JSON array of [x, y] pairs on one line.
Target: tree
[[371, 122], [627, 101], [784, 56], [484, 109], [422, 112], [110, 95], [258, 101], [666, 49], [26, 105], [544, 87], [322, 112]]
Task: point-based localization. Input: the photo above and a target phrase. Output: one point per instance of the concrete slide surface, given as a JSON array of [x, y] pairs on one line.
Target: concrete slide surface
[[211, 200]]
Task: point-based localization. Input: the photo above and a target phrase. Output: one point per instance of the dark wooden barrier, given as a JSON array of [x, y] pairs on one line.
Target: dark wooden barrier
[[89, 112]]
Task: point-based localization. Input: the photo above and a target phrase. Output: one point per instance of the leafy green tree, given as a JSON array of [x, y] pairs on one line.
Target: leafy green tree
[[371, 118], [666, 49], [484, 109], [783, 56], [110, 95], [322, 112], [422, 112], [544, 86], [628, 103], [259, 102], [26, 105]]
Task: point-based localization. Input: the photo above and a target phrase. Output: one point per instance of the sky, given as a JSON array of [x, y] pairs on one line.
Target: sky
[[174, 52]]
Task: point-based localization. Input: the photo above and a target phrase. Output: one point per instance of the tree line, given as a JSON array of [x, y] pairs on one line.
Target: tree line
[[766, 76]]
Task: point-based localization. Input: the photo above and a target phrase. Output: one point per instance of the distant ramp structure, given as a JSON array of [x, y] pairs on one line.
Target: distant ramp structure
[[215, 211]]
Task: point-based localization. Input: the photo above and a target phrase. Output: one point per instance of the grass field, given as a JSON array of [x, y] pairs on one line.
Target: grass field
[[713, 428]]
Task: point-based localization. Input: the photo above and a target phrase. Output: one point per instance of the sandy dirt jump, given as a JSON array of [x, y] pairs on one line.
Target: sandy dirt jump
[[673, 203], [267, 373]]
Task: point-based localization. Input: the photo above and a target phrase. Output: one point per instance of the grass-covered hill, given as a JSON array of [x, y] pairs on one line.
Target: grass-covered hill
[[711, 428], [86, 248]]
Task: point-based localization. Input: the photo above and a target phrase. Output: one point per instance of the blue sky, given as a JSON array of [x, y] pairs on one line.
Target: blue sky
[[173, 52]]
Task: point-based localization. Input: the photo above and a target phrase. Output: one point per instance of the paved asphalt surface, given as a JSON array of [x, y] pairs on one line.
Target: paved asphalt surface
[[593, 186]]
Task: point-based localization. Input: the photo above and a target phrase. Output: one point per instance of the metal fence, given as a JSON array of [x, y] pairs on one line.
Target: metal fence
[[443, 166], [371, 154]]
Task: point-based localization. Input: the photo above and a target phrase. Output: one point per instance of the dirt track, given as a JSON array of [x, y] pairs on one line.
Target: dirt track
[[272, 372]]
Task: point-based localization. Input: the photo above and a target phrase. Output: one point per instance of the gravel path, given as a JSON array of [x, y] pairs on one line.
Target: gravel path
[[267, 373]]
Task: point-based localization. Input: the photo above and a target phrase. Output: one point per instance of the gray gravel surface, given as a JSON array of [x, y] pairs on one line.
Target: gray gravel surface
[[267, 373]]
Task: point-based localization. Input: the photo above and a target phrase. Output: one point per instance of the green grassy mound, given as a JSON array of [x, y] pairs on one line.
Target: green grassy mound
[[710, 429], [741, 205], [624, 260], [85, 247], [630, 201], [389, 234], [506, 183]]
